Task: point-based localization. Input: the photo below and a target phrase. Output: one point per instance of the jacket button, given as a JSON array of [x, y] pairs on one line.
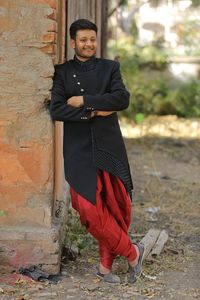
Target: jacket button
[[74, 75], [78, 83], [82, 90]]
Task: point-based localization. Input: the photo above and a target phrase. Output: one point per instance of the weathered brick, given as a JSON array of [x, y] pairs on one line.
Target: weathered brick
[[52, 16], [12, 196], [35, 215], [53, 248], [43, 234], [47, 216], [8, 4], [24, 252], [30, 83], [49, 49], [52, 27], [35, 162], [50, 259], [13, 170], [51, 269], [29, 3], [50, 3], [13, 26], [49, 37], [39, 200], [5, 24], [9, 234]]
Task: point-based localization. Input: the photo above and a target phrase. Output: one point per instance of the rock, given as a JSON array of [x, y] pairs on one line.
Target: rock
[[64, 273], [91, 287], [6, 288], [48, 295], [127, 296]]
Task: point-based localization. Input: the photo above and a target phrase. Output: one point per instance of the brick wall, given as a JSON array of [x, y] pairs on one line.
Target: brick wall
[[27, 54]]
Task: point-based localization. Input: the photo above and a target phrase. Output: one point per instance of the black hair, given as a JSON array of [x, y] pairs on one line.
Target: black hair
[[81, 24]]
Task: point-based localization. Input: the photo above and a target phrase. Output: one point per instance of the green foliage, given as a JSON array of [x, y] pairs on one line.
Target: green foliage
[[76, 234], [134, 29], [189, 36], [139, 118], [151, 95], [195, 3], [152, 55]]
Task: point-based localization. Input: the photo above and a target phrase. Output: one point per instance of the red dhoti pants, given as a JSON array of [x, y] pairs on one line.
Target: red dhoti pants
[[109, 219]]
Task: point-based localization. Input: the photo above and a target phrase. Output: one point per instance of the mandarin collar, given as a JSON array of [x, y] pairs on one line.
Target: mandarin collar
[[84, 66]]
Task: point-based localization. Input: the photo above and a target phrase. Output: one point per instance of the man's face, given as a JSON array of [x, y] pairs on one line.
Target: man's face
[[85, 44]]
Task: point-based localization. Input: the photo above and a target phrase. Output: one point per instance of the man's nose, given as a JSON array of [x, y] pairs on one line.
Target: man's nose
[[88, 43]]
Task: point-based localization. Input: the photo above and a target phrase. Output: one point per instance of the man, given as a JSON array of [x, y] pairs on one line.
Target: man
[[87, 92]]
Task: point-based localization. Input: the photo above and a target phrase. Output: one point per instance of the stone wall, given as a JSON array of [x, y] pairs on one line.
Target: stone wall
[[27, 54]]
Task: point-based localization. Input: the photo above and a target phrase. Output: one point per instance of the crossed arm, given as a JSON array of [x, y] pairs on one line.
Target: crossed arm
[[77, 101], [82, 108]]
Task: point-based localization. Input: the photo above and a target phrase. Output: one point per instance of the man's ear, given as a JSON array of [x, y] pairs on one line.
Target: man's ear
[[72, 43]]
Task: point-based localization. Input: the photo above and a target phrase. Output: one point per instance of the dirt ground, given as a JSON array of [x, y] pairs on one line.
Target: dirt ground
[[164, 154]]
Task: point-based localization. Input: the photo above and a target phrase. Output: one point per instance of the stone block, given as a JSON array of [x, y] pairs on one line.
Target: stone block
[[43, 234], [11, 235], [34, 215], [50, 259], [51, 269], [53, 247], [12, 196], [52, 16], [35, 162], [53, 27], [32, 248], [39, 199], [12, 170], [15, 20], [5, 24], [47, 216], [27, 72], [50, 3], [26, 135]]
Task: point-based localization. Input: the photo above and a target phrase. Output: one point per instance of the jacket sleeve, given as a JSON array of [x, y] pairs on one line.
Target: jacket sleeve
[[59, 109], [117, 99]]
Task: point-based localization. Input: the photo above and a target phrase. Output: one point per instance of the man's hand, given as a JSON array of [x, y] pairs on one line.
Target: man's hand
[[75, 101], [104, 113]]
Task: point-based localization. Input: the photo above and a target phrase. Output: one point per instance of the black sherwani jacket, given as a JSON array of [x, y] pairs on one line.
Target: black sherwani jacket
[[91, 143]]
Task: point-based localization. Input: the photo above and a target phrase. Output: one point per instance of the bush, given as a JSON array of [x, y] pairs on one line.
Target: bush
[[76, 234], [152, 94], [152, 55]]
